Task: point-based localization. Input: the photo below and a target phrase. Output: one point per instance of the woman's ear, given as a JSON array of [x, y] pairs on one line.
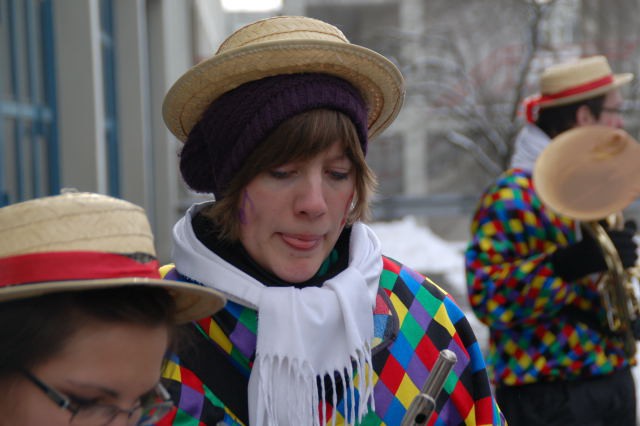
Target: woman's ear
[[584, 116]]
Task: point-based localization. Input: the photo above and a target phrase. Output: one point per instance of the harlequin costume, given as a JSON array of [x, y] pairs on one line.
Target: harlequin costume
[[541, 326], [413, 320]]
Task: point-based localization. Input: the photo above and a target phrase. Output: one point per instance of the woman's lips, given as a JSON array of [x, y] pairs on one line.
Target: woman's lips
[[301, 242]]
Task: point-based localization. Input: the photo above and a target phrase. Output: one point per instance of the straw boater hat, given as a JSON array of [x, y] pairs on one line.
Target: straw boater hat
[[589, 172], [574, 81], [84, 241], [285, 45]]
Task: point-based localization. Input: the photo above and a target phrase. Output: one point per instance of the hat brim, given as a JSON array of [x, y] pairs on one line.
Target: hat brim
[[378, 80], [193, 302], [618, 80]]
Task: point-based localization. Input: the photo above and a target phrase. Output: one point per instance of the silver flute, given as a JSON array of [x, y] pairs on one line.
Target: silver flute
[[424, 404]]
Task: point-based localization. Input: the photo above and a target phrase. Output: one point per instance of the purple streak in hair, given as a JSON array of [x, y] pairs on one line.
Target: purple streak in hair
[[246, 200]]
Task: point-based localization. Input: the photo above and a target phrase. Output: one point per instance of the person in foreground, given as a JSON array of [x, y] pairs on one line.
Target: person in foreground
[[86, 318], [532, 272], [320, 327]]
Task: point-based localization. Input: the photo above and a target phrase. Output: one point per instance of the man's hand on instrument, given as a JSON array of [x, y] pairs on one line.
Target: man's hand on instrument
[[585, 257]]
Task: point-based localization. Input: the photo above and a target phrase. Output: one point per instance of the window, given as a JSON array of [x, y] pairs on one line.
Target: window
[[29, 165], [107, 43]]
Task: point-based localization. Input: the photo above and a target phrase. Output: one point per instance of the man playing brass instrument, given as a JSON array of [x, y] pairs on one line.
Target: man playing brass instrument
[[532, 273]]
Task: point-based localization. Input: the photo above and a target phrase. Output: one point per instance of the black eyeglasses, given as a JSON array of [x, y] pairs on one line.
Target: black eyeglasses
[[152, 407]]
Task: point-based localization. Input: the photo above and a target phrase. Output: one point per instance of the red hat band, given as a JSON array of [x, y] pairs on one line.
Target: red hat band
[[72, 266], [532, 102]]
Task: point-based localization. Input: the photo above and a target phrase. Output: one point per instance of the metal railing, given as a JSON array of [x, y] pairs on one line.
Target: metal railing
[[398, 206]]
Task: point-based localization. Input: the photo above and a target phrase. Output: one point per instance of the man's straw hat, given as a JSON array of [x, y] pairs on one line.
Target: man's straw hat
[[84, 241], [575, 81], [285, 45], [589, 172]]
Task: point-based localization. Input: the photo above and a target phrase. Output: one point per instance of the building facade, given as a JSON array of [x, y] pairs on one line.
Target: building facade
[[81, 88], [82, 83]]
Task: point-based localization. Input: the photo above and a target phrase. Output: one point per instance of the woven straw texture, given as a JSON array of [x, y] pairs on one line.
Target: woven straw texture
[[285, 45], [74, 221], [281, 28]]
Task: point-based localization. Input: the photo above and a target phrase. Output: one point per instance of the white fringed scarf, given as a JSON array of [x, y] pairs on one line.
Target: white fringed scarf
[[303, 334]]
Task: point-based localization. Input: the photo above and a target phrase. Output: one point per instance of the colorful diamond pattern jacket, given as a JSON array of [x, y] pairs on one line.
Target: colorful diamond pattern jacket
[[414, 319], [541, 327]]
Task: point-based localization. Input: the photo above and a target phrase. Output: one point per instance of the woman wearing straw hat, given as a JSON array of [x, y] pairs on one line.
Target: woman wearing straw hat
[[320, 327], [531, 275], [86, 318]]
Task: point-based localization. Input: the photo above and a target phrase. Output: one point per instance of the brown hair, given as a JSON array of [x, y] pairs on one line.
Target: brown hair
[[298, 139], [557, 119], [36, 329]]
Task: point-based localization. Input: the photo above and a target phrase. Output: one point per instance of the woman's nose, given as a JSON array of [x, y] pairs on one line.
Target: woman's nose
[[310, 199]]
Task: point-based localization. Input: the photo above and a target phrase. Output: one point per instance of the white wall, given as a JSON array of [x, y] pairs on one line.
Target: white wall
[[154, 46], [80, 95], [170, 54]]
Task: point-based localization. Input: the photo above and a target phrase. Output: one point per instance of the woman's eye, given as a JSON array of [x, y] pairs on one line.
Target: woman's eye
[[279, 174], [339, 175], [83, 402]]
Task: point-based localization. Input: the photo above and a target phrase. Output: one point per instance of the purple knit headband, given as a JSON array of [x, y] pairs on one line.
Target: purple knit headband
[[236, 122]]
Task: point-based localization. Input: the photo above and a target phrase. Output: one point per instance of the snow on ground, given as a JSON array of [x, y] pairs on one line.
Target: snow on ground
[[419, 248]]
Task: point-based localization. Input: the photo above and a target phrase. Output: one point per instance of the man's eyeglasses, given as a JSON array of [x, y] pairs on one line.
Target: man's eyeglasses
[[153, 407], [616, 110]]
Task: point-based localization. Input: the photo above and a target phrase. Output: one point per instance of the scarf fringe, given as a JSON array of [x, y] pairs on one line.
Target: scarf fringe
[[304, 398]]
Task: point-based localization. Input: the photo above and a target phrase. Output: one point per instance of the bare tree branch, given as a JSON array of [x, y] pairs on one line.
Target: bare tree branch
[[474, 150], [441, 74]]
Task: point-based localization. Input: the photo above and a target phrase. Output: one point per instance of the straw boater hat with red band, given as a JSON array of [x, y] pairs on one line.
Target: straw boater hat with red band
[[574, 81], [84, 241]]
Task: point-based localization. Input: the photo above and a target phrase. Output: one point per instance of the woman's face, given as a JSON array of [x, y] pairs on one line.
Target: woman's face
[[105, 363], [292, 216]]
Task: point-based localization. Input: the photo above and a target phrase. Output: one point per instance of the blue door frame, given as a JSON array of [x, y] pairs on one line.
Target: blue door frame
[[29, 145], [29, 151]]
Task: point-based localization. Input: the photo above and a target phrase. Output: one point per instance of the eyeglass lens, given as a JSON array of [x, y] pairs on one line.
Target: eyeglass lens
[[153, 408]]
